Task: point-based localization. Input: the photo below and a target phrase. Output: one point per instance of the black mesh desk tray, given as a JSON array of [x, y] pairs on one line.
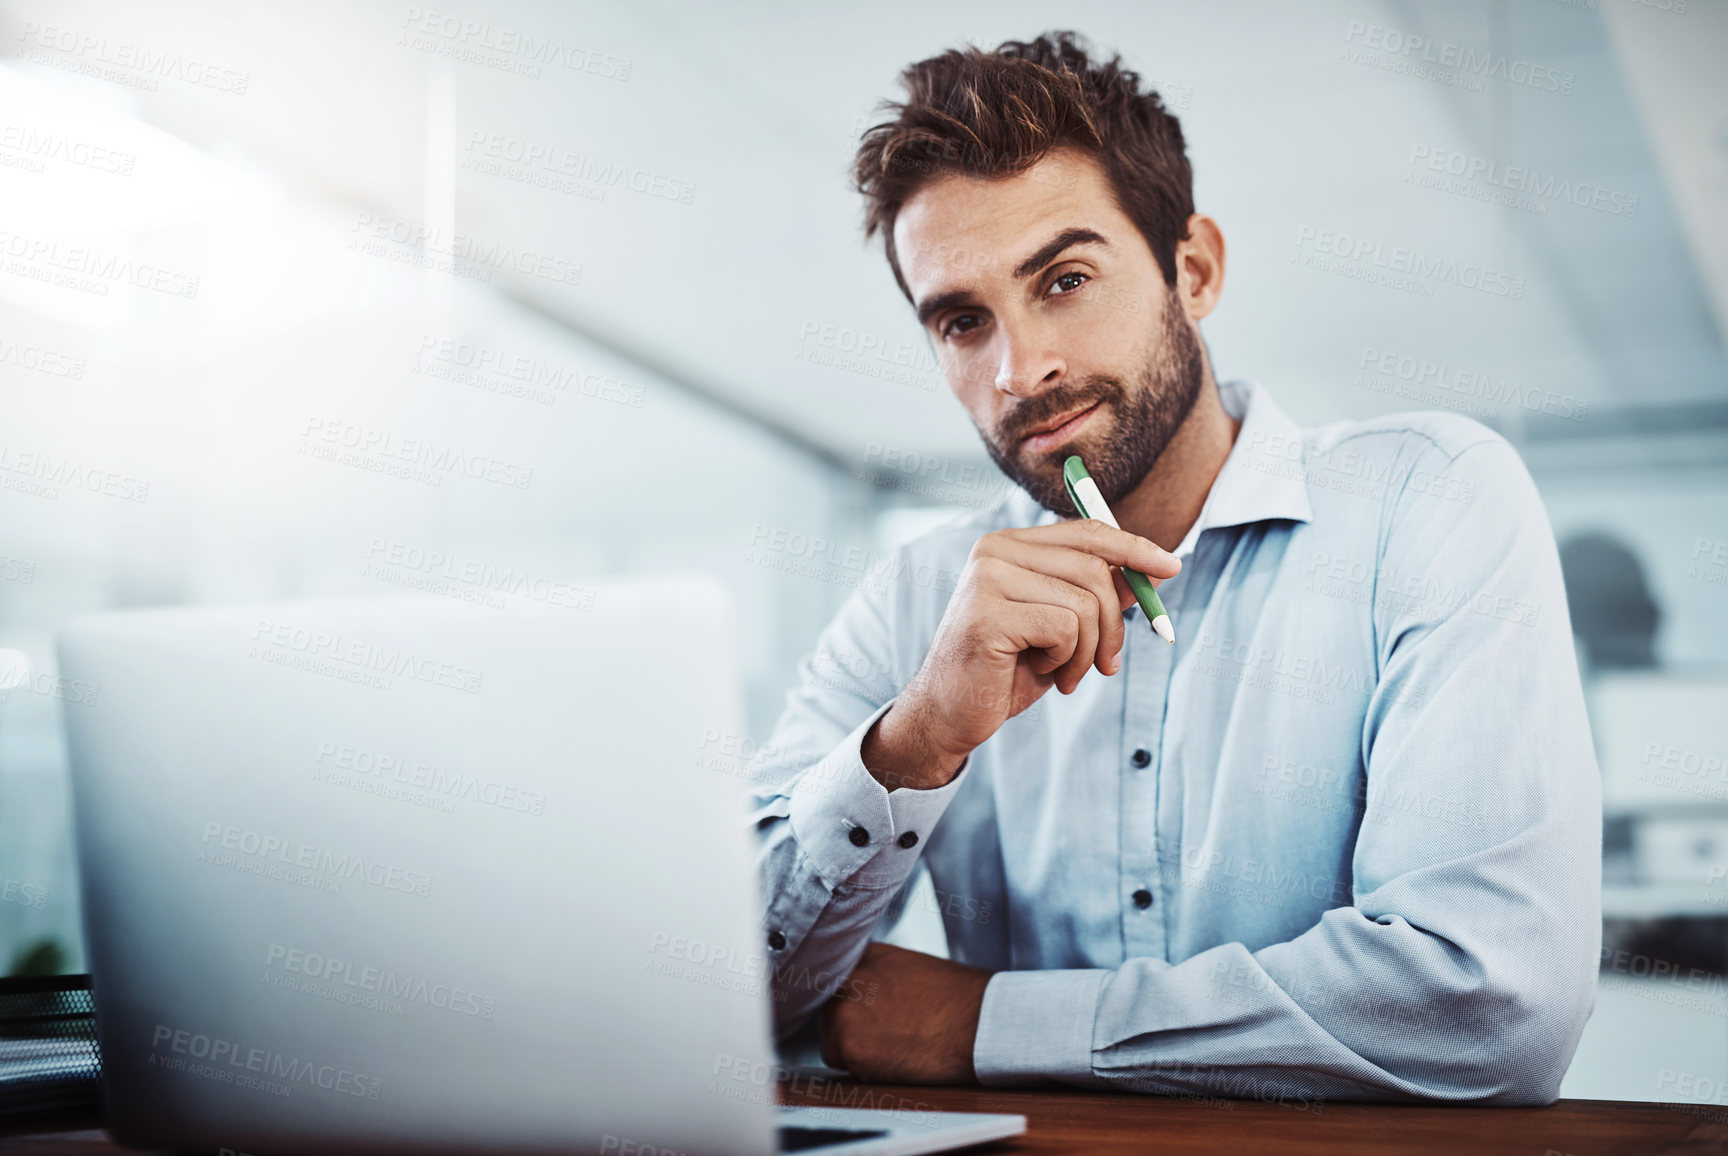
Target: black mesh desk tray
[[50, 1069]]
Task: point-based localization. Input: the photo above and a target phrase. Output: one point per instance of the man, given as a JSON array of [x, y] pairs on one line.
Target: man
[[1341, 840]]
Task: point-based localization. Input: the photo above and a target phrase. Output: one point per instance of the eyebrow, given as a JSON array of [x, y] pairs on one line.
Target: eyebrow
[[1047, 252]]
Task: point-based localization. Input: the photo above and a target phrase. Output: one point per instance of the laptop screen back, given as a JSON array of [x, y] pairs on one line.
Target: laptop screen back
[[420, 875]]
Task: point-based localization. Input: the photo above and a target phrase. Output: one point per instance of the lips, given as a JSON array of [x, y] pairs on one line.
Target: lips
[[1051, 433]]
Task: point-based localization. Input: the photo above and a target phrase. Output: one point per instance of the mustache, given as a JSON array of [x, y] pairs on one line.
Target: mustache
[[1040, 410]]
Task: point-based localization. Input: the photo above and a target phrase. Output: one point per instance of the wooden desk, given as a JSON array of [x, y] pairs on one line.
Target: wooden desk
[[1101, 1125], [1105, 1124]]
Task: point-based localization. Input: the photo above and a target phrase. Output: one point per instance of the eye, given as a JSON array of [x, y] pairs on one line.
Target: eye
[[955, 329], [1073, 277]]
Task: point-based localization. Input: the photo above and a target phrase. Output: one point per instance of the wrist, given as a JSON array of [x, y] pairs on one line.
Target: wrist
[[973, 1012], [899, 752]]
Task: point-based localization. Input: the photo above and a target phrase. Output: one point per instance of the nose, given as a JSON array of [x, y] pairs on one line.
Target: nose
[[1027, 361]]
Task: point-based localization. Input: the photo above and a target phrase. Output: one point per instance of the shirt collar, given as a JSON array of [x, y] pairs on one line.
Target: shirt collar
[[1263, 477]]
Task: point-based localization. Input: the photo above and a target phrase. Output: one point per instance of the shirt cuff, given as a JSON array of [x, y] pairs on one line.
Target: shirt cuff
[[838, 797], [1036, 1026]]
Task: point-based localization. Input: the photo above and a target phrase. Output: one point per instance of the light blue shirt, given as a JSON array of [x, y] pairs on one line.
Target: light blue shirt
[[1342, 841]]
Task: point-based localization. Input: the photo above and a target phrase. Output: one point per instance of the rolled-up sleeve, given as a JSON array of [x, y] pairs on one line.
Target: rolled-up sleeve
[[833, 842], [1464, 968]]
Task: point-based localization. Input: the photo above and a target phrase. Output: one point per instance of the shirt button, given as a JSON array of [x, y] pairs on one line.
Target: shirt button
[[859, 836], [776, 940], [909, 839], [1142, 899], [1141, 757]]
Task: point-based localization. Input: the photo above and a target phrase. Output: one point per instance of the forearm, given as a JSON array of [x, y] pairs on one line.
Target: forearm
[[836, 846], [1357, 1008]]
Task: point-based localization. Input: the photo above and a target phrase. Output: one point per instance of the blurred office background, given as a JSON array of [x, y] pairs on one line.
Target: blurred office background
[[251, 253]]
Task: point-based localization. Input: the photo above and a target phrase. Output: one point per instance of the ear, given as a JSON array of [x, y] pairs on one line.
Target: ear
[[1200, 267]]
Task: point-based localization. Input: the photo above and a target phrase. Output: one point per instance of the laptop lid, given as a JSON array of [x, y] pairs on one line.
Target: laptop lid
[[420, 875]]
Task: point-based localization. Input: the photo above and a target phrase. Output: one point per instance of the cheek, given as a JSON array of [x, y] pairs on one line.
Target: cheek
[[1104, 335], [971, 379]]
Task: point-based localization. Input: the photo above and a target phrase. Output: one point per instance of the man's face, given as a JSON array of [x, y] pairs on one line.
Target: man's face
[[1052, 323]]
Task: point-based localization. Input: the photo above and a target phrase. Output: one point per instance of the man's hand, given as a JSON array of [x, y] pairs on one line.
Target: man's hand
[[1034, 608], [919, 1027]]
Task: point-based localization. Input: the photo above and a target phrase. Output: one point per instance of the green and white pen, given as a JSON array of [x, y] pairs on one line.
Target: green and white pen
[[1085, 495]]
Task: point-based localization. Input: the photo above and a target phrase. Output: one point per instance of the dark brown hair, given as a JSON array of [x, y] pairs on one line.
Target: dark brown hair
[[997, 113]]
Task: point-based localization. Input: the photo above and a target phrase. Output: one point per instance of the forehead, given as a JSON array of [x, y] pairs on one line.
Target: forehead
[[959, 231]]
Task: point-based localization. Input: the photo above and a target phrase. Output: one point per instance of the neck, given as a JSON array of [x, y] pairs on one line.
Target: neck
[[1166, 503]]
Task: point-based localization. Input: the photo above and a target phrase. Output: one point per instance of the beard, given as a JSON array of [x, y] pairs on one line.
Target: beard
[[1146, 416]]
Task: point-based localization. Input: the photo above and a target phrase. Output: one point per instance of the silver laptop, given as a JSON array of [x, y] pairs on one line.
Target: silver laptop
[[420, 875]]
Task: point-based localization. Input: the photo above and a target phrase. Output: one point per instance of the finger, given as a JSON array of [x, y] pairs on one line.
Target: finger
[[1124, 592], [1048, 630], [1073, 655], [1090, 573], [1117, 547]]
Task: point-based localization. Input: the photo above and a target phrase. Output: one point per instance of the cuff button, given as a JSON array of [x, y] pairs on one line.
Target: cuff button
[[859, 836], [776, 940], [909, 839]]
